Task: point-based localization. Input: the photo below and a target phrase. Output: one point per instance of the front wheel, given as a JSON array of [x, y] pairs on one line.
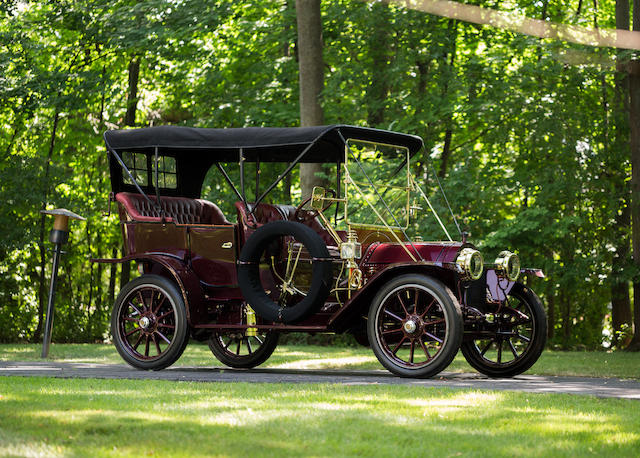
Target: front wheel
[[149, 323], [415, 326], [514, 336]]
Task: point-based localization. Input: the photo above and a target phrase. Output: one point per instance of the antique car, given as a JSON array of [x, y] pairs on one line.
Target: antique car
[[349, 259]]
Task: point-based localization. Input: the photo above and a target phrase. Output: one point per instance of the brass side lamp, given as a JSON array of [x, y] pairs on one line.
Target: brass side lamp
[[59, 235]]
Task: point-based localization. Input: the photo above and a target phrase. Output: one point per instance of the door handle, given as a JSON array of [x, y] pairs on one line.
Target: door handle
[[227, 245]]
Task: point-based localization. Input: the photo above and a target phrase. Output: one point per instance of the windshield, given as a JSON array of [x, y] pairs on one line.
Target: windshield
[[377, 185]]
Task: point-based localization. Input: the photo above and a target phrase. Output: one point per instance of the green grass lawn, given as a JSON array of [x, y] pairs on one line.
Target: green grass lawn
[[592, 364], [44, 416]]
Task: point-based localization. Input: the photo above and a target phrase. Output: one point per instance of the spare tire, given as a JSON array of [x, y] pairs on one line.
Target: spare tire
[[262, 240]]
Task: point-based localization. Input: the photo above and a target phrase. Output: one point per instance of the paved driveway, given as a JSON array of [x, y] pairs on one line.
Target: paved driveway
[[600, 387]]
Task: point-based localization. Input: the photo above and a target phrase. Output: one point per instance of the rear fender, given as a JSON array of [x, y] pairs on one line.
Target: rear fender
[[349, 315], [177, 270]]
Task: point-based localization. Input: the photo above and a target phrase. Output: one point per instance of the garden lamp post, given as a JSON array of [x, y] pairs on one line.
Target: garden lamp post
[[59, 235]]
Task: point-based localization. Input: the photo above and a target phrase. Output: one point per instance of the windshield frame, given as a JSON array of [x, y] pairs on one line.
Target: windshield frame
[[350, 182]]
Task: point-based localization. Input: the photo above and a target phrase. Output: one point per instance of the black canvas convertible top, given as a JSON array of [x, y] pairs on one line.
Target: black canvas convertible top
[[266, 144], [197, 149]]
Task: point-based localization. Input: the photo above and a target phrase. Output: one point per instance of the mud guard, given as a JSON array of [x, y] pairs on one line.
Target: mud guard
[[361, 299], [187, 281]]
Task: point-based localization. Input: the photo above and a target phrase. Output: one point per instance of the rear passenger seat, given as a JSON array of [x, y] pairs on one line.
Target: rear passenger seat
[[180, 210]]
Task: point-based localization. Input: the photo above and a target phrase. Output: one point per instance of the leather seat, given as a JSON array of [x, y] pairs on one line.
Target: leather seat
[[266, 213], [180, 210]]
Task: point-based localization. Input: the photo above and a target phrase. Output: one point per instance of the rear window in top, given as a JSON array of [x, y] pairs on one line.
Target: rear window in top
[[141, 167]]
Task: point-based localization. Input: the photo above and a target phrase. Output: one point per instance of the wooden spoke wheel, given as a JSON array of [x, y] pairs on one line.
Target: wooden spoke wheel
[[415, 326], [149, 323], [239, 350], [513, 338]]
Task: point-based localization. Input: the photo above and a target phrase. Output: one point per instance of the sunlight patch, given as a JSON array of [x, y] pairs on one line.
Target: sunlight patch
[[324, 362], [466, 399], [28, 449]]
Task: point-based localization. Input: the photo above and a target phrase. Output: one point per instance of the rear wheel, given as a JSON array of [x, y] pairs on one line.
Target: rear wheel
[[236, 349], [415, 326], [516, 336], [149, 323]]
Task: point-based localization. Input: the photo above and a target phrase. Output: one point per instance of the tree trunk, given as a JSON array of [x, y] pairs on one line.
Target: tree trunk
[[113, 272], [634, 133], [42, 287], [311, 71], [379, 49], [130, 120], [620, 300], [567, 321], [551, 316], [132, 93], [448, 134]]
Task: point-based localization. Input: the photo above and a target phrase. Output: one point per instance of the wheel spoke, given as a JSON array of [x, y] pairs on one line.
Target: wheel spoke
[[424, 348], [162, 336], [249, 345], [135, 308], [500, 351], [413, 346], [132, 332], [130, 318], [433, 337], [141, 298], [391, 331], [146, 346], [429, 323], [513, 349], [160, 302], [168, 326], [238, 347], [165, 315], [399, 296], [135, 345], [259, 340], [155, 341], [393, 315], [428, 308], [395, 350], [525, 338], [415, 301], [228, 343], [484, 350]]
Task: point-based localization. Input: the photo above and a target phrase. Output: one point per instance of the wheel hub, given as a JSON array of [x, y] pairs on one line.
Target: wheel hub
[[145, 323], [410, 326]]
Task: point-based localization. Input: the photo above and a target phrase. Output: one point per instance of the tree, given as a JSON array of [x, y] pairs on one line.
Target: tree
[[619, 153], [311, 78], [634, 143]]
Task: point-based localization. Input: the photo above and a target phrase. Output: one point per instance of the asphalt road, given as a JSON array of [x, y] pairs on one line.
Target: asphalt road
[[600, 387]]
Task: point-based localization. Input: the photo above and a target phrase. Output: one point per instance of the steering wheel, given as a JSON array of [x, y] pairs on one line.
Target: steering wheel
[[310, 214]]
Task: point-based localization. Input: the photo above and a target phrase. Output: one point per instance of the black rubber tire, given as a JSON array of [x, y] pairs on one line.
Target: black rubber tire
[[178, 320], [531, 353], [249, 273], [451, 313], [228, 358]]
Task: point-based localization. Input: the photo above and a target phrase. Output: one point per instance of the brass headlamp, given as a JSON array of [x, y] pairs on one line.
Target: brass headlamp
[[470, 263], [508, 264]]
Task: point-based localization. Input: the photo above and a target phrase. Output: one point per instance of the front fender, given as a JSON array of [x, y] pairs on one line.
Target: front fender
[[175, 268], [360, 302]]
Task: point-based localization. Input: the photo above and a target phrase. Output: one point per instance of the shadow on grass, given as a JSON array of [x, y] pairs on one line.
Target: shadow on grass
[[589, 364], [103, 417]]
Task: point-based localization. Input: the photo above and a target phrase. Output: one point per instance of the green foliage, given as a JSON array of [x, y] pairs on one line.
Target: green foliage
[[536, 159]]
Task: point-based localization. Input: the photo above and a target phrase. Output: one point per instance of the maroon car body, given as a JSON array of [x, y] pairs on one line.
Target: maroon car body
[[191, 260]]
